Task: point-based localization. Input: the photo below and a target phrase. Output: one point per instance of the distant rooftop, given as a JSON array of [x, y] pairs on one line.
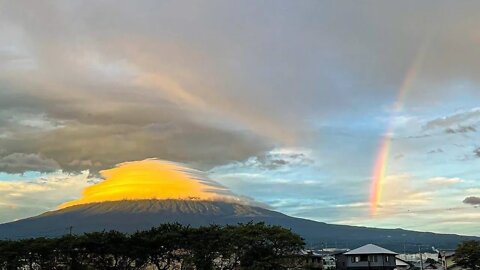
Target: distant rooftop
[[306, 252], [447, 253], [370, 249]]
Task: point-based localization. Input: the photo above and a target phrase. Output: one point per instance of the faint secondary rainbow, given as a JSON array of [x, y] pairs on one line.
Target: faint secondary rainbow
[[381, 161]]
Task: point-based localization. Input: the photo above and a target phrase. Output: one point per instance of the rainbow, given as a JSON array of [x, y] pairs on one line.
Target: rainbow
[[381, 161]]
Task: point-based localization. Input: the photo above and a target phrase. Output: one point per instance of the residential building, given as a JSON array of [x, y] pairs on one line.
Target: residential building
[[402, 264], [447, 260], [416, 257], [308, 259], [368, 257]]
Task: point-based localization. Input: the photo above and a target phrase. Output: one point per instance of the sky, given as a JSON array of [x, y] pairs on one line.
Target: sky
[[348, 112]]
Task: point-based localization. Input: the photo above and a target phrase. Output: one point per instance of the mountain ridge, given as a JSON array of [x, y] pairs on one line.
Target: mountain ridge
[[132, 215]]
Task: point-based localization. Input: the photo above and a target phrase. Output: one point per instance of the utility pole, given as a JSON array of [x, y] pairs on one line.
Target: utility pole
[[70, 230], [421, 259]]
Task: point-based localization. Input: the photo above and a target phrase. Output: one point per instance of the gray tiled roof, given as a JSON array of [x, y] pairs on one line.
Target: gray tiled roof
[[370, 249]]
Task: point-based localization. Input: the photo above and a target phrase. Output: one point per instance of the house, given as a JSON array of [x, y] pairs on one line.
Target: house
[[368, 257], [402, 264], [308, 259], [329, 257], [447, 259], [329, 262]]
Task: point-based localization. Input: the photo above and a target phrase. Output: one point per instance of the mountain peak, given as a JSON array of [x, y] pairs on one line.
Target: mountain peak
[[191, 206]]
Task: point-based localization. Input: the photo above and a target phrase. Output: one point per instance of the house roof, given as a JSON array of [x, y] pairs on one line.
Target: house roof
[[401, 262], [447, 253], [312, 253], [370, 249]]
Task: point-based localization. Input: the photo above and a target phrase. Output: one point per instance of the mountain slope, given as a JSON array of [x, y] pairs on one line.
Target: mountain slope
[[129, 216]]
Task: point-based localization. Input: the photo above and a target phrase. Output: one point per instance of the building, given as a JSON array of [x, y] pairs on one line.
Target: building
[[329, 262], [308, 259], [368, 257], [329, 257], [415, 257], [426, 266], [447, 259], [402, 264]]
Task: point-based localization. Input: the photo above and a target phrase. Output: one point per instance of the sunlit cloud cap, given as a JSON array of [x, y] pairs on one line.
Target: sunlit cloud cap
[[154, 179]]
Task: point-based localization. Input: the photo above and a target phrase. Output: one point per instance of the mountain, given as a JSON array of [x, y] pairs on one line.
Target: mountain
[[130, 216]]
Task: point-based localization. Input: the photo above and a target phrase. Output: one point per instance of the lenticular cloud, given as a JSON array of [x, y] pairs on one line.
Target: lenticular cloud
[[154, 179]]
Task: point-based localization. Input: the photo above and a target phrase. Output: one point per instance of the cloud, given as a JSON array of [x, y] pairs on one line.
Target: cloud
[[400, 192], [460, 122], [20, 163], [24, 197], [20, 198], [276, 159], [76, 147], [270, 92], [215, 84], [461, 129], [472, 200], [476, 152], [155, 179], [443, 181]]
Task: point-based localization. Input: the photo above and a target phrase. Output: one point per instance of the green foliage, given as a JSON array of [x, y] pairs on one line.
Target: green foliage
[[169, 246], [264, 247], [467, 255]]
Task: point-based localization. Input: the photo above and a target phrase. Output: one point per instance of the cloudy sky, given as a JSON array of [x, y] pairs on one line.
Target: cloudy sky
[[286, 102]]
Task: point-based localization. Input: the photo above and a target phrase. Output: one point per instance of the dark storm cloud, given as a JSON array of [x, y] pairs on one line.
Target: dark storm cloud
[[20, 162], [472, 200], [207, 83], [79, 147]]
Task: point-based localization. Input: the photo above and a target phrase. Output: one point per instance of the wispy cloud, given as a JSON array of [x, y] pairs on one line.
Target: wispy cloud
[[24, 198]]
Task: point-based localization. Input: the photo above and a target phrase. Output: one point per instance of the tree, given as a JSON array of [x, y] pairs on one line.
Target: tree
[[206, 244], [10, 255], [162, 246], [108, 250], [169, 246], [70, 253], [467, 255], [260, 246], [39, 253]]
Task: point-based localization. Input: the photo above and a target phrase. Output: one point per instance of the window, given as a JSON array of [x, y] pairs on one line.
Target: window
[[372, 258], [387, 258]]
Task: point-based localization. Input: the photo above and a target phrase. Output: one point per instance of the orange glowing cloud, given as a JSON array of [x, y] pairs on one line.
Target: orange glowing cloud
[[153, 179]]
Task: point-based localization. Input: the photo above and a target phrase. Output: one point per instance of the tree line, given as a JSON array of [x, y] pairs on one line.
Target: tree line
[[169, 246]]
